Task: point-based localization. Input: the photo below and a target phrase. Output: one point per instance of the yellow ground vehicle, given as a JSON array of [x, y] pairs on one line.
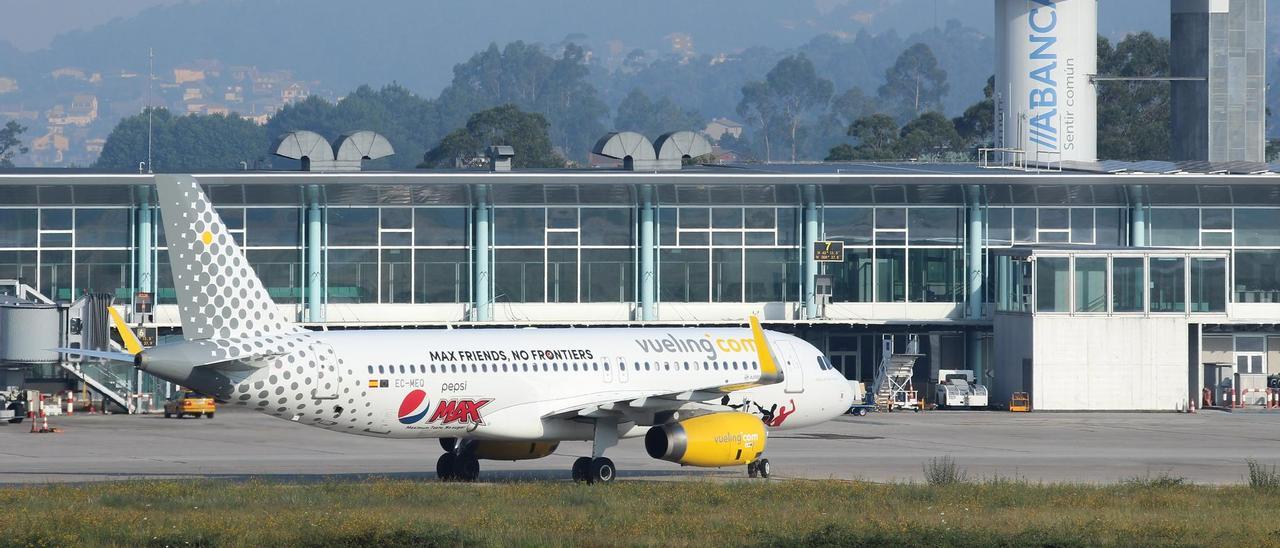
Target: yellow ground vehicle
[[189, 403]]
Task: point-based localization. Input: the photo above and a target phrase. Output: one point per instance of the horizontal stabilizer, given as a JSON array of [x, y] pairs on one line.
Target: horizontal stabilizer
[[124, 357]]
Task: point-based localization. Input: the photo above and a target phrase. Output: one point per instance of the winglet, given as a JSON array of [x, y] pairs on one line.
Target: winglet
[[770, 373], [131, 342]]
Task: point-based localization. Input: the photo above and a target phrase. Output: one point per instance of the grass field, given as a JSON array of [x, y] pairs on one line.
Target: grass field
[[1143, 512]]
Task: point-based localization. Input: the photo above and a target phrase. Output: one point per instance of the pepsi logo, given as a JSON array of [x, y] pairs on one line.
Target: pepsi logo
[[414, 407]]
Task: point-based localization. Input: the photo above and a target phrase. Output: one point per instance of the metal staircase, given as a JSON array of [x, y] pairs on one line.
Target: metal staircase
[[93, 330], [101, 378], [893, 388]]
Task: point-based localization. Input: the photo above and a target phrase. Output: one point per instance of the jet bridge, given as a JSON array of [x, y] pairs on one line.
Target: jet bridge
[[31, 325]]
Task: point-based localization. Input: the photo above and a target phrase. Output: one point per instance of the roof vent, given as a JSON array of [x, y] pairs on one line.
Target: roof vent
[[674, 147], [500, 157], [633, 149], [316, 154]]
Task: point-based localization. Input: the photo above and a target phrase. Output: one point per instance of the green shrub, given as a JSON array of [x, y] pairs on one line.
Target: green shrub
[[944, 471]]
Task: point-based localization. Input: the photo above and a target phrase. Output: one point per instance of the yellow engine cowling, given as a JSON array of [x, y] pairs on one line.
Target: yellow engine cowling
[[513, 450], [713, 440]]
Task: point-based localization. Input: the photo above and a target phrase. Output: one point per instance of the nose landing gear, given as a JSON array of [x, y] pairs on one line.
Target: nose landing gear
[[759, 468]]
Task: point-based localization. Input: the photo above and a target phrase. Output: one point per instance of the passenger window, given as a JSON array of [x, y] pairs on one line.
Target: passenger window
[[370, 369], [401, 369], [555, 367], [575, 367], [380, 369], [606, 366], [453, 368], [646, 366]]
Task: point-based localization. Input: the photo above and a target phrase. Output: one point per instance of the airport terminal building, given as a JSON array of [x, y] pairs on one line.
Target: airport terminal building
[[1103, 286]]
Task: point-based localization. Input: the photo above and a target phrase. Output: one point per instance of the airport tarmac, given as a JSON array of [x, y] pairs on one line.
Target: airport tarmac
[[1208, 447]]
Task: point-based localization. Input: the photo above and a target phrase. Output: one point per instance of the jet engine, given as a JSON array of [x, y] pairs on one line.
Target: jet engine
[[712, 440], [504, 450]]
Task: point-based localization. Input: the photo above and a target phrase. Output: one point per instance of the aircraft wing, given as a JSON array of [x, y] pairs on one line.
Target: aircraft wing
[[615, 403]]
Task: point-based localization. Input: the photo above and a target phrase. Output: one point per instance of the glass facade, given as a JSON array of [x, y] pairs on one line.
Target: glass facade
[[897, 254], [712, 246], [728, 254], [1128, 282]]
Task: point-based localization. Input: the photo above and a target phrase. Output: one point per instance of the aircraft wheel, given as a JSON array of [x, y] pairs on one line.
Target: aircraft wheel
[[602, 471], [444, 467], [862, 411], [763, 468], [581, 468], [751, 470], [466, 468]]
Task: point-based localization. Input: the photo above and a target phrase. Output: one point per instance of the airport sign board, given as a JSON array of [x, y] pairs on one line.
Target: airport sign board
[[828, 252]]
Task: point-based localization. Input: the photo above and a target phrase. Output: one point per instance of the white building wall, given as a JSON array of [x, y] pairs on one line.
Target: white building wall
[[1109, 363]]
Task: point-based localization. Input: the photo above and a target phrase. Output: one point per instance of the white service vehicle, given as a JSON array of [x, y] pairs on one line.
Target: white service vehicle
[[957, 389], [698, 396]]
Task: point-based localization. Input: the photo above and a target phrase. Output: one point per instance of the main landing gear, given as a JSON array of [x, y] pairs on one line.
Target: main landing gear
[[594, 470], [458, 463], [759, 468], [597, 468]]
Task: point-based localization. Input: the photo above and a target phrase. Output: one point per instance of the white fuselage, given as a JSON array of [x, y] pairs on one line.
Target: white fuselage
[[540, 384]]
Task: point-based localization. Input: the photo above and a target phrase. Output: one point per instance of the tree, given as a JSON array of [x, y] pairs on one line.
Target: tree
[[915, 83], [10, 144], [932, 134], [831, 128], [1133, 117], [638, 113], [757, 108], [409, 122], [876, 136], [527, 132], [790, 90], [534, 81], [977, 126], [185, 143]]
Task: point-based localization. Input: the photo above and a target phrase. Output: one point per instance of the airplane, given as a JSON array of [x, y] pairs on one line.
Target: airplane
[[704, 397]]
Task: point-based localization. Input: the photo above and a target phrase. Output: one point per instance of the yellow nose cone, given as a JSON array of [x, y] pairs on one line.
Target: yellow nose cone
[[207, 237]]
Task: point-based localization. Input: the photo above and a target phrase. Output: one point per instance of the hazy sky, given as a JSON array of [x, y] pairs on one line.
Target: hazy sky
[[32, 24]]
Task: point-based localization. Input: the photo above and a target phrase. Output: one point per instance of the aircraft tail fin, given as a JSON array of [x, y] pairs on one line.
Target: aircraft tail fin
[[219, 295]]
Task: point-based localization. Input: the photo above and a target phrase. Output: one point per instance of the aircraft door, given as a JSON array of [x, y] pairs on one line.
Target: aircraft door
[[328, 370], [792, 369], [622, 369]]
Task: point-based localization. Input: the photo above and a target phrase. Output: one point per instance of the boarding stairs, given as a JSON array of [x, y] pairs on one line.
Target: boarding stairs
[[103, 379], [111, 380], [893, 388]]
